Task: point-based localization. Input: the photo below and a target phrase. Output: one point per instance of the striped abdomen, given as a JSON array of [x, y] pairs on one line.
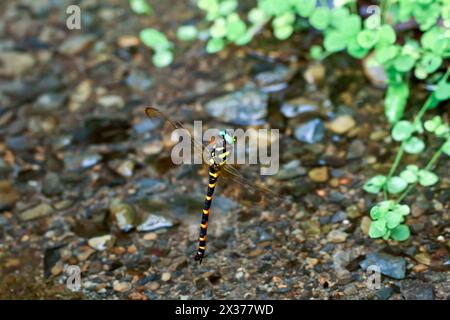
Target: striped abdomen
[[213, 176]]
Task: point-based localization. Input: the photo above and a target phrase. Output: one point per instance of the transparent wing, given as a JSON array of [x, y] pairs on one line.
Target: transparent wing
[[230, 172]]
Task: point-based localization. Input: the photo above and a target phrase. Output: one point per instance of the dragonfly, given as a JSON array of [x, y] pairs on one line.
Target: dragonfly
[[218, 151]]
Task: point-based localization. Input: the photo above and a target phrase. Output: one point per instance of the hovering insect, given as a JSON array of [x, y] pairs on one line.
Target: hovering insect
[[217, 166]]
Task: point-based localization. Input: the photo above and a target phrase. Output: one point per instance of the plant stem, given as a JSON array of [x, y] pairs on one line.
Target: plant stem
[[400, 152], [429, 165]]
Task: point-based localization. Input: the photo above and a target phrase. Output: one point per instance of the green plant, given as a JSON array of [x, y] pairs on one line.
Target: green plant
[[388, 215], [402, 54]]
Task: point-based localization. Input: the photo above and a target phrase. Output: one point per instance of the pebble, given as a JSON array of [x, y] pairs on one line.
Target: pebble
[[126, 168], [123, 214], [15, 64], [52, 186], [151, 236], [319, 174], [75, 162], [152, 286], [417, 290], [247, 106], [374, 71], [122, 286], [314, 73], [154, 222], [356, 150], [102, 243], [166, 276], [111, 101], [299, 106], [75, 44], [311, 132], [423, 258], [391, 266], [291, 170], [365, 225], [84, 252], [39, 211], [384, 293], [8, 194], [342, 124], [49, 102], [337, 236]]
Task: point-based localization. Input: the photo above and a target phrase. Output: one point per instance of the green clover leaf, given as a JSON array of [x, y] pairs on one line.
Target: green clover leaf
[[320, 18], [402, 130], [393, 219], [305, 8], [446, 147], [395, 101], [414, 145], [427, 178], [432, 124], [215, 45], [154, 39], [403, 209], [408, 176], [162, 58], [400, 233], [396, 185], [377, 229], [140, 7], [367, 38], [187, 33], [375, 184]]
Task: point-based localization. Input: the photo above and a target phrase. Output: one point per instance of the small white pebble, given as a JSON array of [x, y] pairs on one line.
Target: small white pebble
[[441, 238]]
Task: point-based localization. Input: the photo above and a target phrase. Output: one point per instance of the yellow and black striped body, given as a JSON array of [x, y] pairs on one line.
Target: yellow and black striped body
[[219, 156]]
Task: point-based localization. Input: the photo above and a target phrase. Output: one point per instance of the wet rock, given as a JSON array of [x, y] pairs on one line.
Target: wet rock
[[147, 186], [319, 174], [49, 102], [337, 236], [384, 293], [146, 125], [311, 132], [15, 64], [374, 72], [356, 150], [247, 106], [166, 276], [154, 222], [80, 95], [122, 286], [338, 217], [111, 101], [423, 258], [391, 266], [75, 44], [76, 162], [39, 211], [417, 290], [21, 143], [342, 124], [126, 168], [365, 225], [107, 128], [291, 170], [52, 186], [4, 167], [84, 252], [315, 73], [299, 106], [102, 243], [273, 80], [123, 214], [138, 80], [8, 195], [3, 220]]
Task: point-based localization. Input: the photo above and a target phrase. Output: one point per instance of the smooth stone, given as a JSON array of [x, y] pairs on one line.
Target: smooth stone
[[273, 80], [75, 162], [102, 243], [356, 150], [384, 293], [417, 290], [52, 185], [154, 222], [342, 124], [247, 106], [291, 170], [49, 102], [75, 44], [374, 72], [298, 106], [123, 214], [319, 174], [8, 194], [15, 64], [122, 286], [314, 73], [111, 101], [146, 125], [337, 236], [138, 80], [39, 211], [391, 266], [311, 132]]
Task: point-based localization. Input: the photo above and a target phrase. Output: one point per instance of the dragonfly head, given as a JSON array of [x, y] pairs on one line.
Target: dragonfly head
[[227, 137]]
